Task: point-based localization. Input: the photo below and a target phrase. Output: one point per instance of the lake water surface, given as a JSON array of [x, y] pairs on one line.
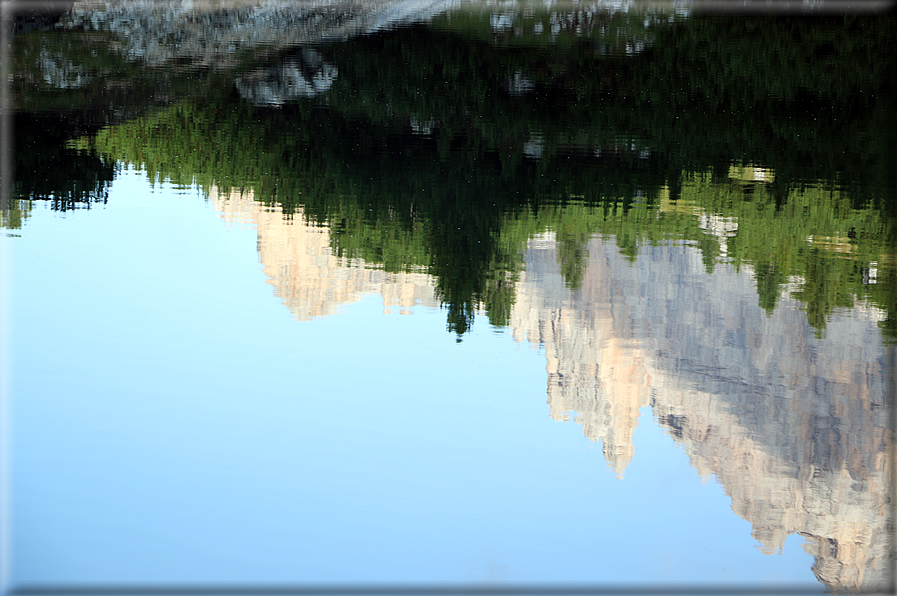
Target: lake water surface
[[432, 295]]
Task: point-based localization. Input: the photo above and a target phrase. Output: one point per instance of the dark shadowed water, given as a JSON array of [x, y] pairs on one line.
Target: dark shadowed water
[[436, 295]]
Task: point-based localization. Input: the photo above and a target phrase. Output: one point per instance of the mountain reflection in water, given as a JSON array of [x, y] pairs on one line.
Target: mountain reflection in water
[[689, 213], [306, 275], [796, 428]]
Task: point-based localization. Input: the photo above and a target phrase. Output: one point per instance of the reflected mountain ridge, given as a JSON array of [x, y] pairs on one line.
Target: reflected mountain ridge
[[689, 214], [309, 279], [794, 426], [797, 429]]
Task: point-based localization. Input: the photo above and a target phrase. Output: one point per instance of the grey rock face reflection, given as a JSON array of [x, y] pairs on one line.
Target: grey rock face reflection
[[796, 428]]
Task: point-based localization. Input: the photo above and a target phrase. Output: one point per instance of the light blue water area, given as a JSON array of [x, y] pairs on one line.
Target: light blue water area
[[172, 422]]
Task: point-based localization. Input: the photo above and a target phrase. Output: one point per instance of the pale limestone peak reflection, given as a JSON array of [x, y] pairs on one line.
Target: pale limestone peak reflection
[[796, 428], [592, 372], [310, 280]]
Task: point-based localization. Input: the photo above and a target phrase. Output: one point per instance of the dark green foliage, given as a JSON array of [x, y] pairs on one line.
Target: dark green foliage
[[46, 168], [421, 154]]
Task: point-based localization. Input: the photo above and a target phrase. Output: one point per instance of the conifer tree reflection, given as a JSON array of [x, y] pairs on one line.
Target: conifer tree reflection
[[48, 168], [420, 154]]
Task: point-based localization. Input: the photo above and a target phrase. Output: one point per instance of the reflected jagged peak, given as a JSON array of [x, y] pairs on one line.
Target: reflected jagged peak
[[312, 281], [793, 426]]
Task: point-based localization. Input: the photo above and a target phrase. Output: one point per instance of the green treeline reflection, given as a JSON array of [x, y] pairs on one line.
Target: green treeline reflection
[[447, 147]]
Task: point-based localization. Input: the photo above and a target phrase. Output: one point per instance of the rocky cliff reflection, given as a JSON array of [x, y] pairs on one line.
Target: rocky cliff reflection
[[306, 275], [796, 427]]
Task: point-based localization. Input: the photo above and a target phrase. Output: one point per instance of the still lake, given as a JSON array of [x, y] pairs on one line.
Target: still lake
[[435, 295]]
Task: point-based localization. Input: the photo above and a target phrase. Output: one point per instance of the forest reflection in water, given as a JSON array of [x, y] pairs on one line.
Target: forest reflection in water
[[686, 213]]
